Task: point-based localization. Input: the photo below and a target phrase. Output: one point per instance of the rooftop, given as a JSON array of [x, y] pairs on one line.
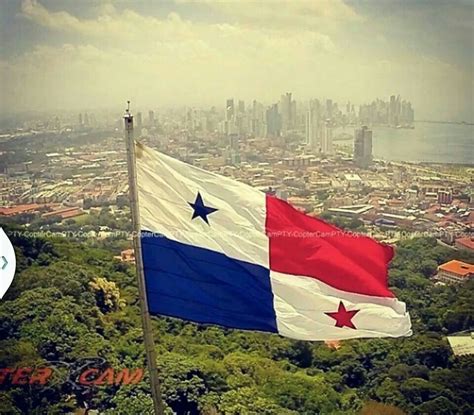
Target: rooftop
[[352, 177], [467, 242], [460, 268], [15, 210]]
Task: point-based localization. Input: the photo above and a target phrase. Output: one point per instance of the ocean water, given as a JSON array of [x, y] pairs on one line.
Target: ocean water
[[428, 142]]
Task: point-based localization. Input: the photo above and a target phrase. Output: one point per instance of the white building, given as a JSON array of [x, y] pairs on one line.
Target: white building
[[326, 138], [312, 126], [455, 272]]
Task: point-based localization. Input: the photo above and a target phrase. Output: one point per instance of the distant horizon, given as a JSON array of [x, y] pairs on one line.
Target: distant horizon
[[207, 107]]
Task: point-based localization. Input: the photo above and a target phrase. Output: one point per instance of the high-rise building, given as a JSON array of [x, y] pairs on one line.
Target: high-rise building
[[329, 109], [151, 118], [293, 115], [241, 107], [286, 112], [204, 123], [235, 157], [407, 115], [190, 119], [240, 123], [234, 151], [92, 120], [274, 121], [257, 119], [312, 125], [391, 109], [86, 119], [363, 147], [326, 138], [80, 120], [229, 109], [233, 141], [394, 111]]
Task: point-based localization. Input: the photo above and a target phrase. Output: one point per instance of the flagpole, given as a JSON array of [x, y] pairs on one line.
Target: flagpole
[[145, 314]]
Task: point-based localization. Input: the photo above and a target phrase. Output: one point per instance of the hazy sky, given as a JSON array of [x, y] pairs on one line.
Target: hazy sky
[[93, 53]]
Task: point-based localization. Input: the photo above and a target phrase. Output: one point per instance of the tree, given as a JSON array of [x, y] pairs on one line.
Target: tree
[[427, 267], [418, 390], [134, 401], [389, 393], [66, 303], [107, 295], [377, 408], [8, 405], [427, 350], [249, 401], [438, 406], [354, 374]]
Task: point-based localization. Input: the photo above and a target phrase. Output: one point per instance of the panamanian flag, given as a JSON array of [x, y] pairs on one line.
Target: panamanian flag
[[217, 251]]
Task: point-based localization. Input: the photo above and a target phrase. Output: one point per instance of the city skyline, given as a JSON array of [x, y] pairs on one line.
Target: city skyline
[[97, 54]]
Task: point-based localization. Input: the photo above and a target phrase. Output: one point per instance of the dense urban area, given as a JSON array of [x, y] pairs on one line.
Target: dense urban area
[[61, 170], [64, 203]]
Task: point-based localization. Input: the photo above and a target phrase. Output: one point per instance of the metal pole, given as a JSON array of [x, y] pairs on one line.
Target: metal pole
[[146, 320]]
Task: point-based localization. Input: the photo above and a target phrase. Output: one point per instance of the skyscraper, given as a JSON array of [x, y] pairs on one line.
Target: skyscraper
[[407, 115], [312, 125], [326, 138], [151, 118], [92, 120], [273, 119], [286, 112], [230, 109], [242, 107], [394, 111], [363, 147], [258, 119], [293, 115], [233, 141], [329, 108]]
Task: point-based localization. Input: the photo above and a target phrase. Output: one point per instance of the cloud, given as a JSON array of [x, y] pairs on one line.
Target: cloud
[[175, 38], [277, 13], [130, 27], [126, 26], [171, 60]]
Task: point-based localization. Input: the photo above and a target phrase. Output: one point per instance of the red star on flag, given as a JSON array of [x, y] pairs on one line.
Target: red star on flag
[[343, 317]]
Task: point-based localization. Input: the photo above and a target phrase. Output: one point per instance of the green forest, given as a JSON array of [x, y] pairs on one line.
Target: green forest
[[71, 300]]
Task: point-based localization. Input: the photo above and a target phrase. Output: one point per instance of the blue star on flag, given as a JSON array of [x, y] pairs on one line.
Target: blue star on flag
[[200, 209]]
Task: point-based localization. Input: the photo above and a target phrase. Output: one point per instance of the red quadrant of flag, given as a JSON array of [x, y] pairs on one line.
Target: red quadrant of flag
[[308, 246]]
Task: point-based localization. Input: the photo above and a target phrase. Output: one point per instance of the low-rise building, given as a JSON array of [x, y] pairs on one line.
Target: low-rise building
[[353, 180], [64, 213], [19, 209], [454, 272], [465, 243], [352, 211]]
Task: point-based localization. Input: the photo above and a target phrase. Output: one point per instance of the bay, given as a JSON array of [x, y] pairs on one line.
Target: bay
[[427, 142]]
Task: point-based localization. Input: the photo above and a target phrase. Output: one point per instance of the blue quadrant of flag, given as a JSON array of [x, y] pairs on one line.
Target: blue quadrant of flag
[[205, 286]]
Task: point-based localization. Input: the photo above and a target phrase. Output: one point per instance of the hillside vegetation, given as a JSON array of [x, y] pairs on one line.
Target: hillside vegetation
[[72, 300]]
